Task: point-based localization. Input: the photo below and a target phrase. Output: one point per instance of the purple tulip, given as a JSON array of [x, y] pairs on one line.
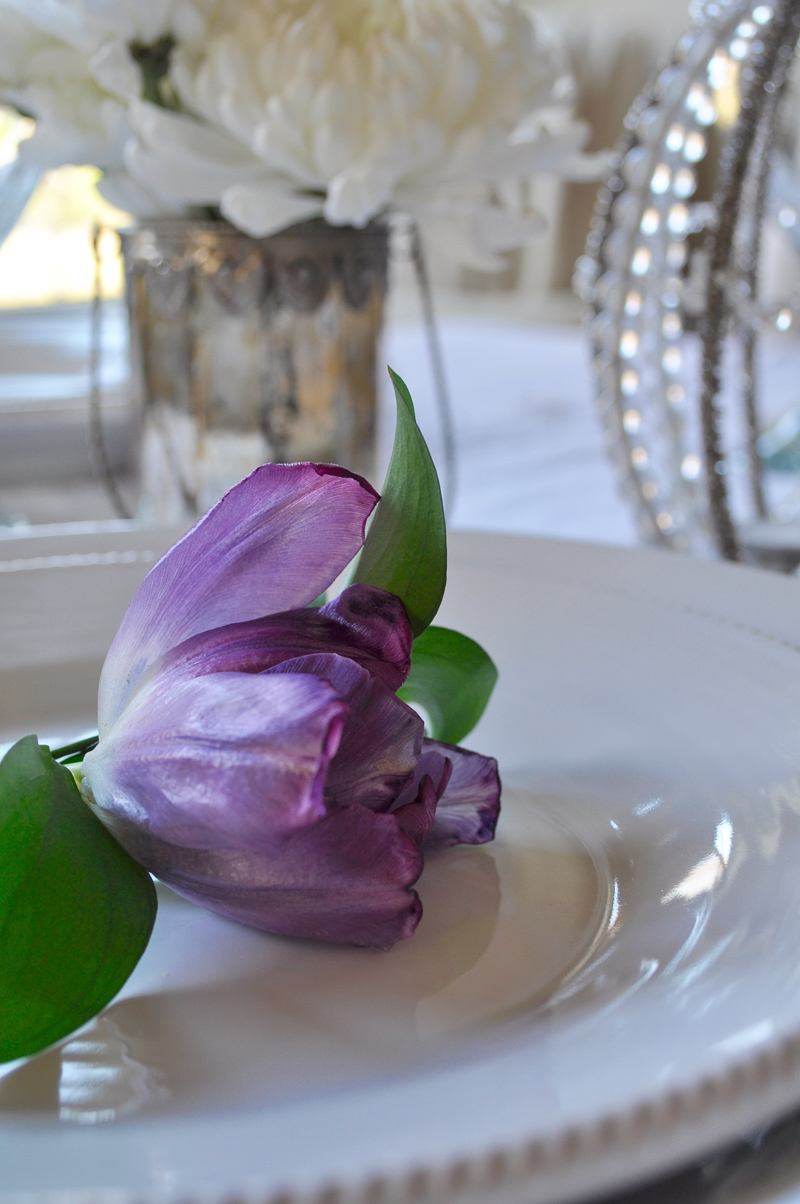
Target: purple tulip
[[253, 753]]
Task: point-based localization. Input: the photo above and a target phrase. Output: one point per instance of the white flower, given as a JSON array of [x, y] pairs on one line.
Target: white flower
[[49, 78], [298, 108], [347, 108], [69, 64]]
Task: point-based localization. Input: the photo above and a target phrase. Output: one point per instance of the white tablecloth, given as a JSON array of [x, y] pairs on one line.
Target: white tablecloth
[[530, 453], [529, 447]]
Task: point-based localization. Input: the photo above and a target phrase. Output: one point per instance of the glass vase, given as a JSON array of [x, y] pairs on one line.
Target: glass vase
[[250, 350]]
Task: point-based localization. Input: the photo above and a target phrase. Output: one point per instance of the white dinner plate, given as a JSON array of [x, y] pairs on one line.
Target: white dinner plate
[[610, 989]]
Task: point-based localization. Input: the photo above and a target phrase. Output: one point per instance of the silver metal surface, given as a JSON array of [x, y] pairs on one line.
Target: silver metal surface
[[671, 278], [250, 350]]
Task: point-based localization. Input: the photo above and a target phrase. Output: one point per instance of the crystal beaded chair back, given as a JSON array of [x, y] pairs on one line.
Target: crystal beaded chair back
[[672, 285], [250, 350]]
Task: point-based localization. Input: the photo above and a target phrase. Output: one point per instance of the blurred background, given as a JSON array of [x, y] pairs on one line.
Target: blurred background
[[530, 455]]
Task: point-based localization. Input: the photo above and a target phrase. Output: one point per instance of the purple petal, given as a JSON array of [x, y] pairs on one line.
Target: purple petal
[[377, 621], [469, 806], [347, 878], [416, 818], [364, 624], [226, 761], [382, 737], [273, 543], [435, 764]]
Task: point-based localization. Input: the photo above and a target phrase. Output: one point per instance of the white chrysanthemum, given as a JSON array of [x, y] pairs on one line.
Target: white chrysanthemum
[[49, 78], [348, 108], [101, 32], [68, 63]]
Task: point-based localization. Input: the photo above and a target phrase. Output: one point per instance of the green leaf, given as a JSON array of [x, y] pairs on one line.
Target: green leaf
[[452, 678], [406, 549], [76, 912]]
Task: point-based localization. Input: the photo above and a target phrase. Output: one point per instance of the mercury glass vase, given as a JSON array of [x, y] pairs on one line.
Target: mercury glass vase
[[250, 350]]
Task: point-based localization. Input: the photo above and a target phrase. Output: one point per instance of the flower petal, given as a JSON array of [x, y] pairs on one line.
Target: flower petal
[[382, 737], [416, 818], [377, 620], [364, 624], [185, 144], [469, 805], [346, 878], [263, 206], [273, 543], [228, 761]]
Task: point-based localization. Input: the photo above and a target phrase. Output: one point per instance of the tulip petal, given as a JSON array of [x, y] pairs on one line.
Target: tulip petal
[[382, 738], [227, 761], [346, 878], [416, 818], [433, 763], [376, 620], [273, 543], [469, 805], [367, 625]]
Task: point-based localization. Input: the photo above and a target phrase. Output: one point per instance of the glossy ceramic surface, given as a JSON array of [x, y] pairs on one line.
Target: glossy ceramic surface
[[609, 989]]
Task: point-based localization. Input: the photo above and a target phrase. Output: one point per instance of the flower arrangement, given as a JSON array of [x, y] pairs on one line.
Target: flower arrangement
[[256, 750], [273, 111]]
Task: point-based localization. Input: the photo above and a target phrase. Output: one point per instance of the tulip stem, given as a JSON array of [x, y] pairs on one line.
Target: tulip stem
[[76, 751]]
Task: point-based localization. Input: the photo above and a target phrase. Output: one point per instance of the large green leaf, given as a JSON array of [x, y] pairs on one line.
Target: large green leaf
[[452, 678], [406, 550], [76, 912]]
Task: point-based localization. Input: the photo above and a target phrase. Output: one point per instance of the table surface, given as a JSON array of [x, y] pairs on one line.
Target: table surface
[[530, 451], [530, 454]]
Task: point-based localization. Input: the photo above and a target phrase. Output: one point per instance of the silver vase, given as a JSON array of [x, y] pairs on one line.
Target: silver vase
[[250, 350]]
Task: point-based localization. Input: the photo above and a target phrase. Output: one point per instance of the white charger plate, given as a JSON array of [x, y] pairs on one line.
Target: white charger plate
[[608, 991]]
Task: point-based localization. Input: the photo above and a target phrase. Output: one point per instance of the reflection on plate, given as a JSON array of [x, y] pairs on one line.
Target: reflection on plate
[[504, 926], [613, 987]]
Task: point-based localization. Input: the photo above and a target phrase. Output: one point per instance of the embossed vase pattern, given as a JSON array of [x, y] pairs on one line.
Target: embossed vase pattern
[[250, 350]]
